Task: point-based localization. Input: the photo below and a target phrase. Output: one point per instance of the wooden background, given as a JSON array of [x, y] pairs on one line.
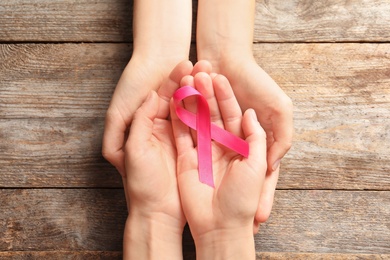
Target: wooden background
[[59, 64]]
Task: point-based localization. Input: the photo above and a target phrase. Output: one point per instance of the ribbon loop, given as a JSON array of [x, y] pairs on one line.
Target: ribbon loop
[[205, 132]]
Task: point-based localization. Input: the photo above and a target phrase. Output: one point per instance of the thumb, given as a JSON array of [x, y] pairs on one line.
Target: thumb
[[142, 126]]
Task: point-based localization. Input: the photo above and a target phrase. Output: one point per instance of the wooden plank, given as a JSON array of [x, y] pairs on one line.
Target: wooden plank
[[54, 153], [63, 255], [334, 222], [101, 255], [328, 222], [320, 256], [65, 21], [61, 219], [66, 80], [51, 80], [341, 94], [66, 153], [59, 93], [322, 21], [275, 21]]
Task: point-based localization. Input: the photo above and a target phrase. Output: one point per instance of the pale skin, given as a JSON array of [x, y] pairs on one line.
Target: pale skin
[[155, 223], [162, 36], [224, 37], [220, 219]]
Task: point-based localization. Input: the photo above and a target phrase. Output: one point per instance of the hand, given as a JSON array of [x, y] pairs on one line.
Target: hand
[[254, 88], [138, 79], [150, 164], [223, 215], [161, 39], [230, 53], [155, 223]]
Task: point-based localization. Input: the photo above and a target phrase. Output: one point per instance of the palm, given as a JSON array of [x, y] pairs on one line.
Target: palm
[[203, 204], [150, 183], [155, 188], [237, 179], [138, 78]]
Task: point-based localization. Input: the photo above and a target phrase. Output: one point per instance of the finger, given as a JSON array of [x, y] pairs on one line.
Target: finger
[[282, 135], [113, 139], [228, 105], [202, 66], [187, 81], [142, 126], [204, 85], [189, 102], [267, 197], [170, 85], [181, 133], [256, 138]]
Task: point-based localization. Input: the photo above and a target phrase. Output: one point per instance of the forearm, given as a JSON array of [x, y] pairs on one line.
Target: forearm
[[147, 238], [224, 27], [226, 244], [162, 28]]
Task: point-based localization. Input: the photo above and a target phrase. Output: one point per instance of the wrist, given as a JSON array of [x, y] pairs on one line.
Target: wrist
[[226, 244], [162, 28], [225, 27], [152, 237]]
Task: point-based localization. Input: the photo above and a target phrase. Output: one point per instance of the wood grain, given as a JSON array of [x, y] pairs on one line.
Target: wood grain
[[320, 256], [322, 21], [109, 255], [65, 21], [59, 199], [64, 219], [341, 94], [66, 80], [315, 221], [275, 21], [63, 255], [92, 220], [54, 153], [55, 96]]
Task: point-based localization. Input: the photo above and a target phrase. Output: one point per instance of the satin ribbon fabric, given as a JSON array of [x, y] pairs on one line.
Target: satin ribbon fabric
[[206, 131]]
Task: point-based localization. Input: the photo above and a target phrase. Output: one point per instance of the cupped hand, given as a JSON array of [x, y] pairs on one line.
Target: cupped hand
[[150, 162], [238, 181], [255, 89], [139, 77], [150, 152]]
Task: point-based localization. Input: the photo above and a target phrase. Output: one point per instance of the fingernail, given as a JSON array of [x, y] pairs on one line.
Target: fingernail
[[276, 165]]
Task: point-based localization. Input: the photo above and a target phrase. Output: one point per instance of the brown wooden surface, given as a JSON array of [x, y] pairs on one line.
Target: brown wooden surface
[[93, 219], [276, 21], [59, 64], [54, 96], [102, 255]]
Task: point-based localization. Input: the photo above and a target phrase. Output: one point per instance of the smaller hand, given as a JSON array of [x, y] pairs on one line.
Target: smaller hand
[[232, 205], [255, 89]]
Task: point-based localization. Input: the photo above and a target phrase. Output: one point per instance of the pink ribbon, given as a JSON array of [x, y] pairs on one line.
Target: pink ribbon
[[205, 132]]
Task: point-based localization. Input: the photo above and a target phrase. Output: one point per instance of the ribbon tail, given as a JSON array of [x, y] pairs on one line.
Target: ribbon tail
[[205, 164]]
